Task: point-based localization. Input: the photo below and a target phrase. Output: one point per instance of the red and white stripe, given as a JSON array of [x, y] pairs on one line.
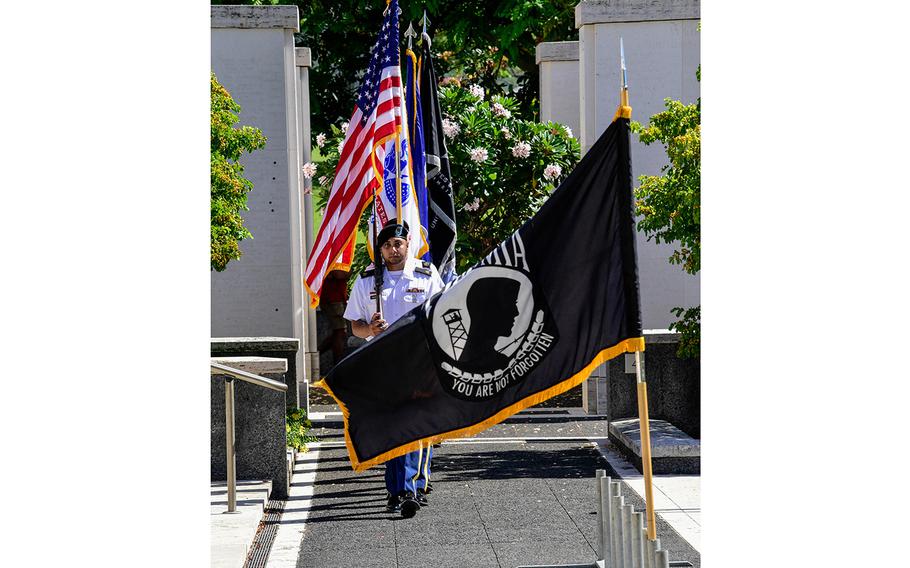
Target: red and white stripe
[[355, 181]]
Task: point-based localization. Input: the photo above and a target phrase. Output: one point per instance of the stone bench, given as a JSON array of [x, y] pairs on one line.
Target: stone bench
[[259, 422], [267, 347], [672, 450]]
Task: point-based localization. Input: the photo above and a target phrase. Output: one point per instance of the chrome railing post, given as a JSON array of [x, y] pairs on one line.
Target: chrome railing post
[[600, 514], [229, 437], [229, 375]]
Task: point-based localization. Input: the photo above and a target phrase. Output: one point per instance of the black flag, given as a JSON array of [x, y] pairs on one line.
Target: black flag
[[530, 321], [441, 220]]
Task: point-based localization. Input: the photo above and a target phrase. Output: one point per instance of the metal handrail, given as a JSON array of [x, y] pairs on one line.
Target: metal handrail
[[231, 457], [250, 377]]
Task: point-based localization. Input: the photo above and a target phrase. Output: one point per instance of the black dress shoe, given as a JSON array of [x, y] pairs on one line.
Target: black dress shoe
[[421, 498], [394, 504], [409, 505]]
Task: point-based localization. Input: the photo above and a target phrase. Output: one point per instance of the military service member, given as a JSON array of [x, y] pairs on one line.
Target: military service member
[[406, 283]]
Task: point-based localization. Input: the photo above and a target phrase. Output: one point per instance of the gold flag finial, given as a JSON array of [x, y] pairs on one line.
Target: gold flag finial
[[624, 109]]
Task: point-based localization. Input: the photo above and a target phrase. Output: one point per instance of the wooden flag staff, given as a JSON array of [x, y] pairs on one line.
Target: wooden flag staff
[[398, 194], [645, 445], [643, 421]]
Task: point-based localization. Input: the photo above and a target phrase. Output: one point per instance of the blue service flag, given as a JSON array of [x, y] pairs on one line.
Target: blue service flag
[[442, 228], [418, 156]]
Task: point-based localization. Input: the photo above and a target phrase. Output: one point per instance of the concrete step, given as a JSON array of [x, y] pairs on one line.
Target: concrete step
[[232, 533], [672, 450], [292, 459]]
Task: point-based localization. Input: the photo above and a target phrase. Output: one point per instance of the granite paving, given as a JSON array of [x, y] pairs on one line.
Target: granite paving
[[496, 503]]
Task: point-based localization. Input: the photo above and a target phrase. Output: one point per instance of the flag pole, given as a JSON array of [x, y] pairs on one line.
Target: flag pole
[[399, 194], [643, 420], [377, 258], [397, 160], [644, 425]]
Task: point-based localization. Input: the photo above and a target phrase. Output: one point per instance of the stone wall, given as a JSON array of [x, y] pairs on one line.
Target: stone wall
[[260, 438], [558, 62], [674, 386]]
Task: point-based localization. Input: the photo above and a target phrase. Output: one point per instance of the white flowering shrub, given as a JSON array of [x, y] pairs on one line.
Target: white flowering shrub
[[309, 170], [502, 111], [503, 168], [552, 171], [479, 154], [521, 150]]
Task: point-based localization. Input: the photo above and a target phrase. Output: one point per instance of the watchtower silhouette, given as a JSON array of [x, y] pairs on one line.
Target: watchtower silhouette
[[457, 333]]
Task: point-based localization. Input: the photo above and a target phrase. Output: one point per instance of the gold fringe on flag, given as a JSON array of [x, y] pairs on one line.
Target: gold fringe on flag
[[627, 346]]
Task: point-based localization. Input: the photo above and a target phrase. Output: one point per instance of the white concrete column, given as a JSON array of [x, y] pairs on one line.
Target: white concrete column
[[594, 391], [662, 54], [310, 344], [559, 97], [253, 57]]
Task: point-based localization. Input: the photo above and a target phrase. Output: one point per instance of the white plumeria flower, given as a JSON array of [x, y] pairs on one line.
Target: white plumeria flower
[[552, 172], [479, 154], [309, 170], [521, 150], [473, 206], [477, 91], [450, 128], [344, 126], [502, 111], [569, 132], [320, 140]]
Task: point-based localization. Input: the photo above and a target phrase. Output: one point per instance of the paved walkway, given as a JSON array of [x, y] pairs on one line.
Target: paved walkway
[[520, 493]]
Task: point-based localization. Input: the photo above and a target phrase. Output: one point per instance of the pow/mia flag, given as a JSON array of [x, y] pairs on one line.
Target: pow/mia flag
[[530, 321]]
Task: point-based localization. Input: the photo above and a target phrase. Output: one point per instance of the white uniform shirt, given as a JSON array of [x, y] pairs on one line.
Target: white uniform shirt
[[402, 291]]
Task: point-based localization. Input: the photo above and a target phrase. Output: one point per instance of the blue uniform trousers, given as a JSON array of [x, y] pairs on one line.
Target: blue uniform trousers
[[423, 468], [401, 472], [409, 472]]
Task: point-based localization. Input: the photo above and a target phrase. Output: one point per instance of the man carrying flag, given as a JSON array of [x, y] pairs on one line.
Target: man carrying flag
[[406, 282], [375, 165]]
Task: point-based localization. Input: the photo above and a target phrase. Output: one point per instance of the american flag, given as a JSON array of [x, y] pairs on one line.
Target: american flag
[[377, 117]]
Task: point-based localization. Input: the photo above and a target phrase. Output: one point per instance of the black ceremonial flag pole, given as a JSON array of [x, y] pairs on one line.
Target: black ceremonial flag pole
[[643, 421], [377, 260]]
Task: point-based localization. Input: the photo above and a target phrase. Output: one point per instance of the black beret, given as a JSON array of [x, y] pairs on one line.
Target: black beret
[[392, 229]]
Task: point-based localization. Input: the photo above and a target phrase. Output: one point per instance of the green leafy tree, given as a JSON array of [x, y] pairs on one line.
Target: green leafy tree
[[503, 168], [229, 187], [490, 43], [670, 204]]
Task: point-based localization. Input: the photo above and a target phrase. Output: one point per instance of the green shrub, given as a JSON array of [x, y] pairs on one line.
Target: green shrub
[[298, 429], [670, 204]]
